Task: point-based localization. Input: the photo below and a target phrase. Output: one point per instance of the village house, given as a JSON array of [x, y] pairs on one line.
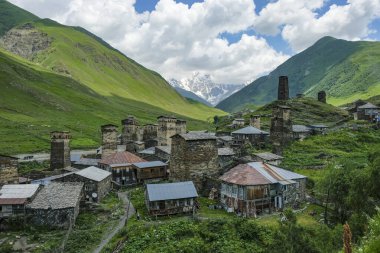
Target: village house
[[236, 123], [171, 198], [225, 157], [318, 128], [146, 171], [269, 158], [97, 182], [56, 205], [224, 141], [367, 112], [194, 156], [258, 187], [8, 170], [148, 154], [300, 132], [14, 197], [252, 135], [120, 165], [163, 153]]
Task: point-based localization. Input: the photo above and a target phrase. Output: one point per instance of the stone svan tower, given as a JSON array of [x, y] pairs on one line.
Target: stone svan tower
[[194, 156], [8, 170], [322, 96], [109, 140], [255, 121], [281, 128], [60, 150], [167, 127], [283, 88], [130, 130]]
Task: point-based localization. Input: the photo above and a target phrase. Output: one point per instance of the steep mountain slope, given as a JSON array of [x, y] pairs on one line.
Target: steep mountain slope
[[346, 70], [191, 95], [204, 87], [34, 102]]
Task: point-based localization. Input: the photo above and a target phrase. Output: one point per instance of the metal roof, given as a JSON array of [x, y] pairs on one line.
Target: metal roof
[[197, 136], [58, 196], [368, 106], [165, 149], [16, 201], [268, 156], [75, 157], [300, 128], [93, 173], [249, 130], [148, 151], [180, 190], [47, 180], [121, 158], [11, 191], [149, 164], [259, 173], [225, 138]]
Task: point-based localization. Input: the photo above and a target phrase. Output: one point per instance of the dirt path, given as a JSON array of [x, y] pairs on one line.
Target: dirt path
[[123, 196]]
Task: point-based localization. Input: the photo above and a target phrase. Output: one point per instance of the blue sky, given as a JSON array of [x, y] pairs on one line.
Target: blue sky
[[233, 41]]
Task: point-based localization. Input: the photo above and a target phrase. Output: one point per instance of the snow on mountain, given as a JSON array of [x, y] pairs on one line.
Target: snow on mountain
[[204, 87]]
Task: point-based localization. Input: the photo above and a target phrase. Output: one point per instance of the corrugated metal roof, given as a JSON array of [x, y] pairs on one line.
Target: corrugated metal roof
[[11, 191], [197, 136], [300, 128], [58, 196], [258, 173], [121, 158], [93, 173], [12, 201], [180, 190], [249, 130], [149, 164]]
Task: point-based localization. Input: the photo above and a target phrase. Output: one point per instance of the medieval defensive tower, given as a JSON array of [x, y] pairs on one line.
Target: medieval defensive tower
[[322, 96], [255, 121], [281, 128], [60, 150], [109, 140], [283, 88], [167, 127], [130, 130]]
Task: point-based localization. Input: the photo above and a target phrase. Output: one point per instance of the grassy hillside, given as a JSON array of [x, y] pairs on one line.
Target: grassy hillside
[[304, 111], [11, 15], [345, 70]]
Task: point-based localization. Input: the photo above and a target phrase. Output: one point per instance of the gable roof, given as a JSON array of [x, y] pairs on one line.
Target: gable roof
[[121, 158], [18, 191], [249, 130], [368, 106], [93, 173], [180, 190], [258, 173], [58, 196], [149, 164], [165, 149], [300, 128]]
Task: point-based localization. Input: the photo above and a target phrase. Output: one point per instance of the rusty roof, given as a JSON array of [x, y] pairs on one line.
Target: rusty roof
[[121, 158], [12, 201], [258, 173]]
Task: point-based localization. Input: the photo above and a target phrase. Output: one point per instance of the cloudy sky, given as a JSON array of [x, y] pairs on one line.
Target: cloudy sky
[[232, 40]]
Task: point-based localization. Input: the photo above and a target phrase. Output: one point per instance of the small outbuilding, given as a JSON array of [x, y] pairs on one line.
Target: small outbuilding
[[251, 135], [171, 198], [150, 170], [57, 204], [14, 197], [300, 132], [163, 153], [268, 157]]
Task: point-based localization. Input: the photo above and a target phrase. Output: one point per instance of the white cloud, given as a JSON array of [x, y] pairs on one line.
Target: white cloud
[[300, 25]]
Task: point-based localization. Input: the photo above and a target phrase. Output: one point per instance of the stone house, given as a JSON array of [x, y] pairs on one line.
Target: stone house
[[194, 157], [250, 134], [269, 158], [225, 157], [224, 141], [367, 111], [258, 187], [171, 198], [97, 182], [236, 123], [163, 153], [146, 171], [14, 197], [318, 128], [120, 165], [8, 170], [300, 132], [57, 204]]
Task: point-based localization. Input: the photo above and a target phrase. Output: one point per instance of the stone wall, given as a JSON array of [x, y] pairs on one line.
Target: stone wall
[[8, 170], [194, 160]]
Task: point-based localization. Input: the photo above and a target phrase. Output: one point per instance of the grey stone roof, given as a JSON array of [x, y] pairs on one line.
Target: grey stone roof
[[93, 173], [368, 106], [149, 164], [58, 196], [88, 161], [180, 190], [225, 138], [249, 130], [197, 136], [166, 149], [268, 156], [225, 152], [148, 151], [300, 128]]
